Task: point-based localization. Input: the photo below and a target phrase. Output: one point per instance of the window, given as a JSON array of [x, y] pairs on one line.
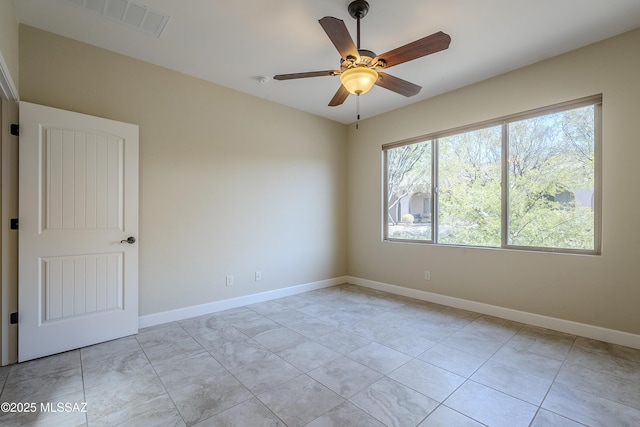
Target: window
[[469, 188], [527, 181], [408, 182]]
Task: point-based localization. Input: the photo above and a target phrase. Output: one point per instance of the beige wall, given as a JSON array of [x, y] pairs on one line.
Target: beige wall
[[597, 290], [229, 183], [9, 38]]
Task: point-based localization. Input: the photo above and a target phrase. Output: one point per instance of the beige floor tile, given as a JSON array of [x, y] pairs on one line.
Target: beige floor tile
[[248, 413], [44, 366], [444, 416], [233, 354], [106, 398], [109, 349], [428, 379], [512, 381], [116, 368], [601, 384], [589, 409], [545, 418], [265, 374], [156, 412], [379, 357], [338, 356], [544, 342], [193, 369], [454, 360], [394, 404], [161, 334], [345, 376], [490, 406], [45, 387], [525, 360], [345, 414], [308, 355], [201, 400], [300, 400]]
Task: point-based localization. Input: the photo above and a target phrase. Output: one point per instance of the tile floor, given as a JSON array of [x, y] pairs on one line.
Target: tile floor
[[341, 356]]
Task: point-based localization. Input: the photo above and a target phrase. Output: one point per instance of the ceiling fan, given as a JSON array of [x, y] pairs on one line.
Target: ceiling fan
[[359, 67]]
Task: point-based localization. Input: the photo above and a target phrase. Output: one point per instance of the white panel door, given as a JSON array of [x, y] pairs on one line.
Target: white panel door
[[78, 274]]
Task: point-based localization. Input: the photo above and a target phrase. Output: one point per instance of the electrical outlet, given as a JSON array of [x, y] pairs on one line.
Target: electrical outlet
[[258, 276], [427, 275], [229, 280]]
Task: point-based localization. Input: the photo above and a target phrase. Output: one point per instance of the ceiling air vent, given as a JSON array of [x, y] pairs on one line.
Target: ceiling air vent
[[127, 12]]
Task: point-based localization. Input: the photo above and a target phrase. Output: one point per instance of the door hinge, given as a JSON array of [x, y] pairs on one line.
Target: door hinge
[[14, 223], [15, 129], [13, 318]]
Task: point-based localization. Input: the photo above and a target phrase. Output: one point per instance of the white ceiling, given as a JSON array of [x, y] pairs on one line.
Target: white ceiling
[[234, 42]]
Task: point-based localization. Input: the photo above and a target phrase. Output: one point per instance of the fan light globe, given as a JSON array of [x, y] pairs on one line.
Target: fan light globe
[[358, 80]]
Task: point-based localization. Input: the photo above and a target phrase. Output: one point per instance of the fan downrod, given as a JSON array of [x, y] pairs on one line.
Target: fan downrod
[[358, 9]]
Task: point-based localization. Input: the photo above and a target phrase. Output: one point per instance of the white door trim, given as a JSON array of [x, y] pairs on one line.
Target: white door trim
[[8, 88], [9, 264], [9, 239]]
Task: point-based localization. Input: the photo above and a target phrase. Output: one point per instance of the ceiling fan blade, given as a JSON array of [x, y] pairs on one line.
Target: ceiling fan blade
[[339, 36], [339, 97], [304, 75], [397, 85], [417, 49]]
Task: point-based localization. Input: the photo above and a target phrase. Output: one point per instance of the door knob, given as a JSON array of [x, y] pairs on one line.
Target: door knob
[[130, 240]]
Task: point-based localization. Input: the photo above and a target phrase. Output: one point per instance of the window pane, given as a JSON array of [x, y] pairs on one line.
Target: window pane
[[469, 191], [409, 200], [551, 180]]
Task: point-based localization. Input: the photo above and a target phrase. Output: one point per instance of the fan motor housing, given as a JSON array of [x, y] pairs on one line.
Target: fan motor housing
[[358, 9], [366, 54], [366, 59]]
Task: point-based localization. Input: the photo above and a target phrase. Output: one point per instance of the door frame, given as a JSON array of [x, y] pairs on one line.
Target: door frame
[[8, 209]]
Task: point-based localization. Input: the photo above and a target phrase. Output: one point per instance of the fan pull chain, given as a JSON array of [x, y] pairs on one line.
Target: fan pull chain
[[357, 111]]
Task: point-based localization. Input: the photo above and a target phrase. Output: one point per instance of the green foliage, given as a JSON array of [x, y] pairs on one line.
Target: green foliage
[[551, 155], [469, 197]]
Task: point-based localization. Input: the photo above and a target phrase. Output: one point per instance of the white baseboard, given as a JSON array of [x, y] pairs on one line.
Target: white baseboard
[[567, 326], [215, 306]]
